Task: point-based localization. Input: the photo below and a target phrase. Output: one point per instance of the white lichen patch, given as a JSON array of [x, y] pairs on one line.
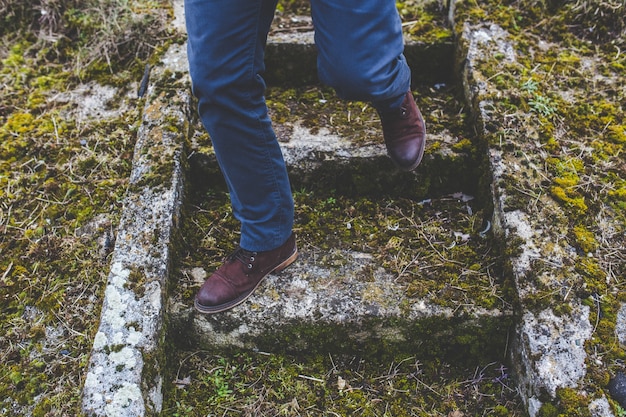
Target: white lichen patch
[[519, 222], [125, 397], [490, 41], [116, 305], [620, 327], [92, 380], [558, 344], [125, 357], [534, 404], [134, 337], [600, 407], [155, 394], [100, 341], [118, 338], [91, 101], [119, 275], [198, 274], [303, 144], [153, 295]]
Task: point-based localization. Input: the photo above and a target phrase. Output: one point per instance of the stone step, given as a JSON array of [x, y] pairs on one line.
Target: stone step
[[291, 58], [291, 54], [342, 294], [335, 145], [390, 271]]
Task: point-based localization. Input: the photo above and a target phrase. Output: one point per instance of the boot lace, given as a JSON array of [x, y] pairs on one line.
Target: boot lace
[[246, 257]]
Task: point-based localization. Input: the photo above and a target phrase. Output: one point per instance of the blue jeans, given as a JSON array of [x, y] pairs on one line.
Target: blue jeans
[[360, 47]]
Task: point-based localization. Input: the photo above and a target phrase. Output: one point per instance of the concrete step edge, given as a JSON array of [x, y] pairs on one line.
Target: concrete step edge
[[124, 376], [548, 350]]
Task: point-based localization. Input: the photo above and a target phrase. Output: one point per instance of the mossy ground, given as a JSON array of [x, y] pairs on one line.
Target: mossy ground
[[566, 94], [265, 384], [62, 181], [63, 176], [317, 107]]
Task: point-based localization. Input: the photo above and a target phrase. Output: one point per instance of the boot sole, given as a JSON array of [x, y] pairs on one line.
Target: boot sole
[[243, 297]]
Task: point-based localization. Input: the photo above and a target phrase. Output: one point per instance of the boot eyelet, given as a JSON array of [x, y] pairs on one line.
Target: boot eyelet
[[252, 259], [249, 266]]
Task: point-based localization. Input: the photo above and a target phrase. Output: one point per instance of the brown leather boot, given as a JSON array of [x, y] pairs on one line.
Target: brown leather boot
[[240, 275], [405, 134]]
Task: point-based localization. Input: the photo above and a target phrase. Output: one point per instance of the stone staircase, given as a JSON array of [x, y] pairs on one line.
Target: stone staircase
[[435, 264]]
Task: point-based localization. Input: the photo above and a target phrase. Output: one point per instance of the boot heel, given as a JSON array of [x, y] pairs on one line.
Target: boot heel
[[287, 261]]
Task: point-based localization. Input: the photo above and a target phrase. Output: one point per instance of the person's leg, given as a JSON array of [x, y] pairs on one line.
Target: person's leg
[[226, 42], [360, 49]]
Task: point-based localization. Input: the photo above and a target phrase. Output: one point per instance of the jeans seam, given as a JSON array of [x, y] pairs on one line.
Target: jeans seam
[[268, 159]]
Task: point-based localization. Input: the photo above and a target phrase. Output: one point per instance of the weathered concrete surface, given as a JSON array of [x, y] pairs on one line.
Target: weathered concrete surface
[[545, 358], [125, 371], [124, 376], [549, 348]]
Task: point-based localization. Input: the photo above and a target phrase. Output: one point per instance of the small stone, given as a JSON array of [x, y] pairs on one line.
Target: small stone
[[198, 275], [341, 383], [617, 389]]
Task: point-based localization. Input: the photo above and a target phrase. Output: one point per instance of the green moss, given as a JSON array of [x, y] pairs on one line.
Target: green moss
[[572, 403], [424, 22], [585, 239], [570, 198], [160, 176], [19, 123], [336, 384], [56, 175], [617, 133], [464, 145], [294, 6], [548, 410], [569, 403], [136, 282]]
